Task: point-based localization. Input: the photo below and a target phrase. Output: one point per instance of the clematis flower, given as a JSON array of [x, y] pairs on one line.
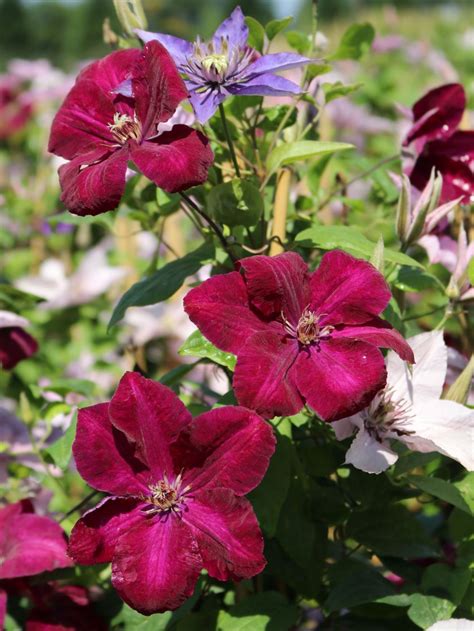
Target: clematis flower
[[409, 410], [176, 486], [227, 65], [99, 130], [440, 145], [300, 337], [16, 107], [15, 343]]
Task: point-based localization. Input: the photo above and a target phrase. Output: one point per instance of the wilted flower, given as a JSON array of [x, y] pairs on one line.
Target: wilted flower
[[176, 485], [300, 337], [409, 410], [440, 145], [15, 343], [227, 65], [99, 129]]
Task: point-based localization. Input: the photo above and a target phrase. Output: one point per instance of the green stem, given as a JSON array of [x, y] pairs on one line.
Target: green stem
[[229, 140]]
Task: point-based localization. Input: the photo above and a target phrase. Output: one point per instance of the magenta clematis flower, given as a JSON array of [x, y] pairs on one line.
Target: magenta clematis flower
[[99, 130], [300, 337], [15, 343], [16, 106], [176, 486], [227, 65], [439, 144]]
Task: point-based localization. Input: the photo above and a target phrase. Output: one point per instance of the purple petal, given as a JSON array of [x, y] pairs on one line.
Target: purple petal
[[205, 104], [178, 48], [275, 62], [265, 85], [233, 29]]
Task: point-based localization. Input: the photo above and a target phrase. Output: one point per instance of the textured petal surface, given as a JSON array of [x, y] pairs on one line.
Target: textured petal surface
[[370, 455], [93, 189], [103, 456], [275, 62], [347, 290], [265, 85], [227, 447], [458, 179], [175, 160], [151, 416], [205, 103], [112, 69], [277, 284], [340, 377], [459, 146], [233, 30], [379, 333], [15, 345], [264, 377], [156, 565], [219, 307], [227, 533], [178, 48], [95, 535]]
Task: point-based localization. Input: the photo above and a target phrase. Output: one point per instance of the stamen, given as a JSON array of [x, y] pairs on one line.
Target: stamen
[[125, 127], [387, 414], [166, 497]]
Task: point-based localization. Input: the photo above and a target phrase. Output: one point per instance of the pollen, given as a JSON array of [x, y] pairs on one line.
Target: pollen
[[217, 63], [166, 497], [125, 127], [308, 329]]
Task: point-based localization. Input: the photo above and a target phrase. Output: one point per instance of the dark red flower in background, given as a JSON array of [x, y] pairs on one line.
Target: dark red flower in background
[[111, 116], [176, 485], [300, 337], [16, 107], [15, 343], [440, 145]]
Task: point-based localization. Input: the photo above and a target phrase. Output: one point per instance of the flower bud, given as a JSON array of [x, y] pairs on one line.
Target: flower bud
[[422, 207], [403, 210], [377, 258], [131, 15], [452, 290], [459, 390]]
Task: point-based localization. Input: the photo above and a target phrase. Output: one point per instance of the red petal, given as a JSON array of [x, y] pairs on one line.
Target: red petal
[[15, 345], [379, 333], [347, 290], [220, 308], [228, 534], [157, 87], [228, 447], [458, 179], [264, 375], [151, 416], [175, 160], [95, 535], [459, 146], [156, 565], [103, 456], [340, 377], [93, 189], [110, 71], [277, 284]]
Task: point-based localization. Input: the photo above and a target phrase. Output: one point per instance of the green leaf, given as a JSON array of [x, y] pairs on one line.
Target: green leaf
[[466, 488], [446, 582], [15, 299], [356, 41], [426, 610], [256, 33], [302, 150], [415, 279], [104, 219], [442, 489], [315, 70], [334, 91], [391, 531], [60, 452], [298, 41], [358, 588], [350, 240], [276, 26], [296, 532], [163, 283], [198, 346], [267, 611], [235, 203]]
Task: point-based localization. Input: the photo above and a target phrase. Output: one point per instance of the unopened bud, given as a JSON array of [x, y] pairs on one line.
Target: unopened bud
[[377, 258], [403, 210], [421, 209], [459, 390], [452, 290], [436, 192], [131, 15]]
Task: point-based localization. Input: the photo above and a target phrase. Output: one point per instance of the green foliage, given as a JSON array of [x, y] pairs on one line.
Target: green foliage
[[236, 203], [197, 346], [355, 42], [303, 150]]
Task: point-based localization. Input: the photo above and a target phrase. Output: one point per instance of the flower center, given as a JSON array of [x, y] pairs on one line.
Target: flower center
[[386, 414], [308, 329], [216, 63], [166, 497], [125, 127]]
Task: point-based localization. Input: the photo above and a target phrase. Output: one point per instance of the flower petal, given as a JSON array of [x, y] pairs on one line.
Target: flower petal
[[151, 416], [175, 160], [339, 377], [111, 70], [178, 48], [448, 425], [459, 146], [227, 447], [233, 30], [265, 85], [264, 377], [205, 103], [103, 456], [458, 179], [277, 284], [156, 565], [347, 290], [275, 62], [379, 333], [82, 122], [15, 345], [91, 188], [219, 307], [95, 535], [370, 455], [228, 534], [344, 428]]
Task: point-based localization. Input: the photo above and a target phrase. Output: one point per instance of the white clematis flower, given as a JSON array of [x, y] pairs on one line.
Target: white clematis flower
[[410, 410]]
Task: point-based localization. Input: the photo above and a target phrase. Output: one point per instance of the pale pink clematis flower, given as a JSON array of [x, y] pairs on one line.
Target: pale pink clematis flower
[[409, 409]]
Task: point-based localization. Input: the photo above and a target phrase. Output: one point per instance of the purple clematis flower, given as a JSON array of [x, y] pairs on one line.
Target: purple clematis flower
[[227, 66]]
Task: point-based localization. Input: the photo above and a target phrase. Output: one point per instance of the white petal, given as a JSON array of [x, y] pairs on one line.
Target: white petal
[[343, 428], [449, 426], [7, 319], [455, 624], [368, 454]]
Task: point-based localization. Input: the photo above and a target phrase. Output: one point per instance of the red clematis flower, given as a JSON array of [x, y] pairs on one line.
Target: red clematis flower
[[176, 485], [15, 343], [16, 107], [29, 545], [111, 116], [300, 337], [440, 145]]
